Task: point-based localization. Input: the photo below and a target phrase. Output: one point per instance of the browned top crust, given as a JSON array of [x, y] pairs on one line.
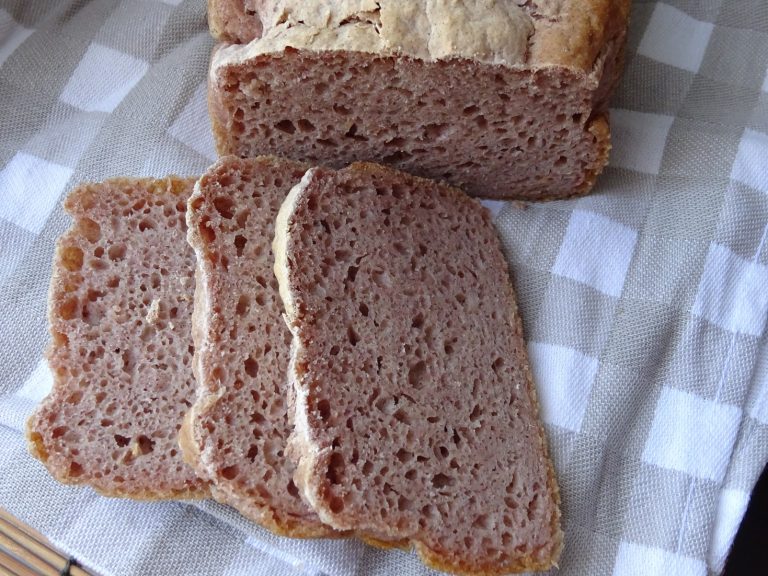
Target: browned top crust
[[569, 33]]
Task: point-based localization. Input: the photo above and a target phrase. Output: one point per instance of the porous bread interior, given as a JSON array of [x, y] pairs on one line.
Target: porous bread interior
[[237, 430], [494, 131], [416, 415], [120, 311]]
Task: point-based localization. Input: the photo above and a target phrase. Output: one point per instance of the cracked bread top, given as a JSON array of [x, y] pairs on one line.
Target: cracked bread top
[[569, 33]]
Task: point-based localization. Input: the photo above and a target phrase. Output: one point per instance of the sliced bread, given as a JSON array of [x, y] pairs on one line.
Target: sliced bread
[[416, 416], [506, 99], [236, 432], [120, 312]]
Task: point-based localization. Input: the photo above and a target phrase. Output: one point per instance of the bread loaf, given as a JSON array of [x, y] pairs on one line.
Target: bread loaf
[[505, 99], [120, 313], [236, 433], [416, 416]]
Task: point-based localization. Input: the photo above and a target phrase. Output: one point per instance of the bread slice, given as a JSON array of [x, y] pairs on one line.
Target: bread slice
[[120, 313], [416, 416], [505, 99], [236, 432]]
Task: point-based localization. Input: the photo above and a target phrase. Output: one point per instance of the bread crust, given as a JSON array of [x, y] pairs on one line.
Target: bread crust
[[570, 33], [310, 474]]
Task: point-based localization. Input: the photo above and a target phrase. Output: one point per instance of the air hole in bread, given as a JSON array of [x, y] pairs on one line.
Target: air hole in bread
[[253, 452], [121, 441], [206, 230], [251, 367], [402, 416], [243, 305], [147, 224], [441, 480], [352, 335], [240, 242], [416, 374], [116, 252], [398, 156], [89, 229], [340, 109], [68, 308], [336, 505], [75, 469], [285, 126], [224, 206], [324, 410], [72, 258], [476, 413], [229, 472], [404, 456], [145, 445], [336, 466]]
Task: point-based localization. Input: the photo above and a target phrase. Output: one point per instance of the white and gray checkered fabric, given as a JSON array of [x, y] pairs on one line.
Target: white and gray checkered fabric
[[644, 304]]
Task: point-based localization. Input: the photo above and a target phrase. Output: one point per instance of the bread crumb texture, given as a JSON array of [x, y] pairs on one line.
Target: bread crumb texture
[[242, 417], [120, 314], [504, 99], [416, 415]]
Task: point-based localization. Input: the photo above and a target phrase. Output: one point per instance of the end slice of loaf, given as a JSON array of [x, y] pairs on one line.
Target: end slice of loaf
[[504, 99], [236, 432], [416, 416], [120, 314]]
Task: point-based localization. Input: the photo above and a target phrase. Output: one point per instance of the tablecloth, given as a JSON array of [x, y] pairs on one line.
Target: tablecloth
[[644, 304]]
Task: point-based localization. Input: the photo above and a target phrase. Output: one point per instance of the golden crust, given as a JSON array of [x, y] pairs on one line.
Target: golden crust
[[573, 33]]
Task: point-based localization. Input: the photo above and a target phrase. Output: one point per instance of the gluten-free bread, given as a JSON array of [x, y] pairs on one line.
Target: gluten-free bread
[[416, 416], [120, 313], [236, 433], [505, 99]]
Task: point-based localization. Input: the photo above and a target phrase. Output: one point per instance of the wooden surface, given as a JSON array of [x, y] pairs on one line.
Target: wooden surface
[[26, 552]]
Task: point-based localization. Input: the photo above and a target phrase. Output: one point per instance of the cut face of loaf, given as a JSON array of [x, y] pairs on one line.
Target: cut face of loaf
[[236, 433], [509, 106], [416, 416], [120, 313]]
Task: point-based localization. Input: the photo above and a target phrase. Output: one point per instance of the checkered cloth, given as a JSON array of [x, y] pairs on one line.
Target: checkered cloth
[[644, 304]]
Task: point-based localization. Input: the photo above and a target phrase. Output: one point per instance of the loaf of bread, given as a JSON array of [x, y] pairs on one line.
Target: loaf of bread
[[120, 313], [236, 433], [416, 416], [505, 99]]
